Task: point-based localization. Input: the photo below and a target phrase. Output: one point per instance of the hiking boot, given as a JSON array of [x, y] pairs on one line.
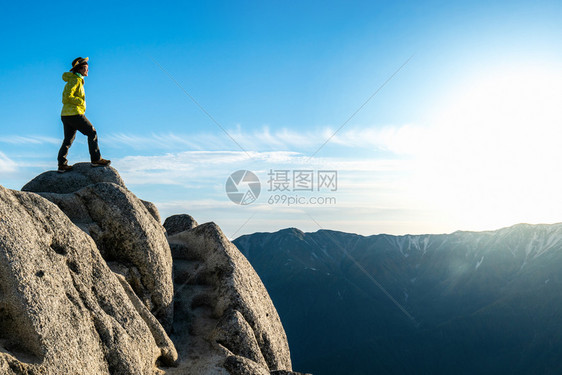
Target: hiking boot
[[64, 168], [101, 163]]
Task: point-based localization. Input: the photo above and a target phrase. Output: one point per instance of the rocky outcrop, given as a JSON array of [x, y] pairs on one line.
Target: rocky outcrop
[[62, 310], [128, 237], [220, 298], [179, 223], [86, 287], [123, 227], [82, 175]]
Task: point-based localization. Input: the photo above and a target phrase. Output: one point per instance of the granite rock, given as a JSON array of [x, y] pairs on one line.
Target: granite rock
[[81, 176], [62, 310], [178, 223], [221, 299], [129, 239]]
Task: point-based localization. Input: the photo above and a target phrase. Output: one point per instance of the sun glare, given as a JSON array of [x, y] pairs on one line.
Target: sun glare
[[493, 155]]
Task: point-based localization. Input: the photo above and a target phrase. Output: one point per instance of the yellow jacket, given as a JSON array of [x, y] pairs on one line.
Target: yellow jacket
[[73, 95]]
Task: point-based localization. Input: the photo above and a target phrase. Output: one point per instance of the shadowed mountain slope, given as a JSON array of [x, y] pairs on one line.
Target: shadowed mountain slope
[[464, 303]]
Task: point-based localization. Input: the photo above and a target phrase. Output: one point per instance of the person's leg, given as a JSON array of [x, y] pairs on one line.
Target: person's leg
[[85, 127], [69, 135]]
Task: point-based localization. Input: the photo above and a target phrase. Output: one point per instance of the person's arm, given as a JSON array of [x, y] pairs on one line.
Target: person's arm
[[68, 95]]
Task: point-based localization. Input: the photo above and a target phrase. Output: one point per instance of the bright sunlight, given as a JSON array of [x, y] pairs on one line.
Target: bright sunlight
[[493, 156]]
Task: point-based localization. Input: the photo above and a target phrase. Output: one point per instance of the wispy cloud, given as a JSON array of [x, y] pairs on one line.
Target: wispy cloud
[[365, 218], [401, 139], [29, 140], [6, 164], [182, 167], [398, 139]]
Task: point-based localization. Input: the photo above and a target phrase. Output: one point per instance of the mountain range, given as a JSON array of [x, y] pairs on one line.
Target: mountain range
[[463, 303]]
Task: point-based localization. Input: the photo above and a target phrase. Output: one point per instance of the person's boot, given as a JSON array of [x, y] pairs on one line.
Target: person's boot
[[101, 163], [64, 168]]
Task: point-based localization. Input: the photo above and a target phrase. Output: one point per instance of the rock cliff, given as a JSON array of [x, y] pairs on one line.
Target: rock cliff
[[91, 283]]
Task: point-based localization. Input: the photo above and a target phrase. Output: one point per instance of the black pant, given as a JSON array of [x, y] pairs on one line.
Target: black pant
[[84, 126]]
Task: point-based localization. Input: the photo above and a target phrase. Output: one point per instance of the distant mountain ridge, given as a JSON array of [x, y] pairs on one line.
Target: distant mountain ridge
[[480, 302]]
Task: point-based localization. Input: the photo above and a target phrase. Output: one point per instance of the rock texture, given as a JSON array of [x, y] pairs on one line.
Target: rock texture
[[62, 310], [220, 299], [81, 176], [86, 287], [179, 223], [126, 229], [151, 207], [128, 237]]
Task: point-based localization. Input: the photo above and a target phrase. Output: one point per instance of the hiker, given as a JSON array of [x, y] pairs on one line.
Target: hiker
[[72, 116]]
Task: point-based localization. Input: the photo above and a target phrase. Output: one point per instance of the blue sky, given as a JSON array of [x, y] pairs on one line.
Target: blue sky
[[462, 137]]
